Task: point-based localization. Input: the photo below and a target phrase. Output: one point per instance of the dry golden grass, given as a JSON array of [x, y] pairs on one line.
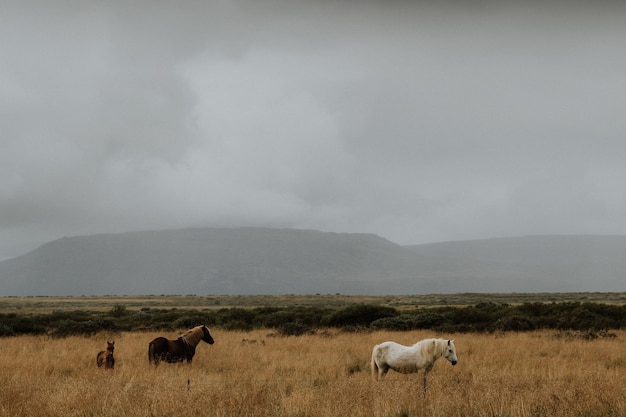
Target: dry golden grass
[[525, 374]]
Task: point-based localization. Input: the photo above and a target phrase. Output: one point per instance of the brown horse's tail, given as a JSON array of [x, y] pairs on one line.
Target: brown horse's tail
[[151, 358]]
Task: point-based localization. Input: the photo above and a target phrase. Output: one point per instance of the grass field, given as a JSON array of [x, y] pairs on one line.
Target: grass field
[[45, 304], [320, 375]]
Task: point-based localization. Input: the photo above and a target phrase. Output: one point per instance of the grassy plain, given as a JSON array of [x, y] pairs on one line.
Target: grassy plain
[[46, 304], [319, 375]]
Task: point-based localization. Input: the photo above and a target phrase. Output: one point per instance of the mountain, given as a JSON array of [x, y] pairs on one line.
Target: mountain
[[566, 263], [285, 261]]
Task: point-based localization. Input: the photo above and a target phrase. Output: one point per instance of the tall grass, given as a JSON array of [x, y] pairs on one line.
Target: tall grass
[[256, 374]]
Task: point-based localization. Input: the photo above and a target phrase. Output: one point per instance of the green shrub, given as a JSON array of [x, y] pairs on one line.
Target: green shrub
[[235, 319], [423, 320], [66, 328], [192, 320], [118, 310], [360, 315], [514, 323], [293, 329]]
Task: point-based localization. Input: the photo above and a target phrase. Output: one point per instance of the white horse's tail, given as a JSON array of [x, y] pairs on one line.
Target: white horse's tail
[[373, 364]]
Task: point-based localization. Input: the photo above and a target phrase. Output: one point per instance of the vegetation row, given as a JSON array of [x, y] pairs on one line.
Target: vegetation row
[[483, 317]]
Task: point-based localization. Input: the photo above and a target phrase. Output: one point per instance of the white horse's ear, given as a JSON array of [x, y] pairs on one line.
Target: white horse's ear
[[448, 342]]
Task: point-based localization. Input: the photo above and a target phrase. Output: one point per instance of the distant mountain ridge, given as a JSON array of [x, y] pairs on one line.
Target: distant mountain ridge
[[286, 261], [540, 263]]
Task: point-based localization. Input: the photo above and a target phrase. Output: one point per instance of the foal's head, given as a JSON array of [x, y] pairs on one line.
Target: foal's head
[[110, 347], [450, 352]]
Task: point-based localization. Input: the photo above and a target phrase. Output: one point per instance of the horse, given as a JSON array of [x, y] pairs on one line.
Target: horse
[[179, 350], [105, 357], [411, 359]]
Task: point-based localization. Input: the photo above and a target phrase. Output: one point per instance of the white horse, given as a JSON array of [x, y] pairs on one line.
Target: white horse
[[411, 359]]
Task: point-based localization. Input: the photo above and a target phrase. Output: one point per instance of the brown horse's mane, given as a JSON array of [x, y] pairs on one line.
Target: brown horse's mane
[[193, 336]]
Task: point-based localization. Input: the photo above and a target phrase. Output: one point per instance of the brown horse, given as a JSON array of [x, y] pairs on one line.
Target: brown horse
[[105, 357], [179, 350]]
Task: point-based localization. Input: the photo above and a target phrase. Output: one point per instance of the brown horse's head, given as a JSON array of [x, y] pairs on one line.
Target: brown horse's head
[[206, 335], [110, 346]]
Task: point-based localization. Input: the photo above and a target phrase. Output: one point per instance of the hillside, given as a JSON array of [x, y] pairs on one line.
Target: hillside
[[215, 261], [532, 263], [284, 261]]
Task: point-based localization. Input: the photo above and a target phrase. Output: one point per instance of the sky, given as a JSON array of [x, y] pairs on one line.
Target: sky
[[419, 121]]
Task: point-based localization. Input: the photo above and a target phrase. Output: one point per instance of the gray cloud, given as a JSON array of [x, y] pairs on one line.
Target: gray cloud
[[416, 121]]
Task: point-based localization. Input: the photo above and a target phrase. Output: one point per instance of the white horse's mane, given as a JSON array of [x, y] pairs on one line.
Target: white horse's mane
[[427, 347]]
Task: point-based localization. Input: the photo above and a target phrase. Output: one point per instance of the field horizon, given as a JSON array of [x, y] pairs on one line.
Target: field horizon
[[43, 304]]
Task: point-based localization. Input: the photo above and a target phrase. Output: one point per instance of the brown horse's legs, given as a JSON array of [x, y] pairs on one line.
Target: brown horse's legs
[[110, 362]]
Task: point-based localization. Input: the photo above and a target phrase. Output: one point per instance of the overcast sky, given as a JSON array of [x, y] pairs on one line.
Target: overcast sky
[[416, 121]]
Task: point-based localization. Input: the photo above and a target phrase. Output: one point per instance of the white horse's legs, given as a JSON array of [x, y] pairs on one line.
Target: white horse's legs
[[426, 371], [381, 370]]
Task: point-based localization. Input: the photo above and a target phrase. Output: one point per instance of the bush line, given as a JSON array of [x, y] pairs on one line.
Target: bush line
[[482, 317]]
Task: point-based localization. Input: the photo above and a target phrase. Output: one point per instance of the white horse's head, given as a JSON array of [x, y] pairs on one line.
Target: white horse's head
[[450, 352]]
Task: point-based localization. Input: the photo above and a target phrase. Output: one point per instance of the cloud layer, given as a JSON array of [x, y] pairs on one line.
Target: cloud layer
[[415, 121]]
